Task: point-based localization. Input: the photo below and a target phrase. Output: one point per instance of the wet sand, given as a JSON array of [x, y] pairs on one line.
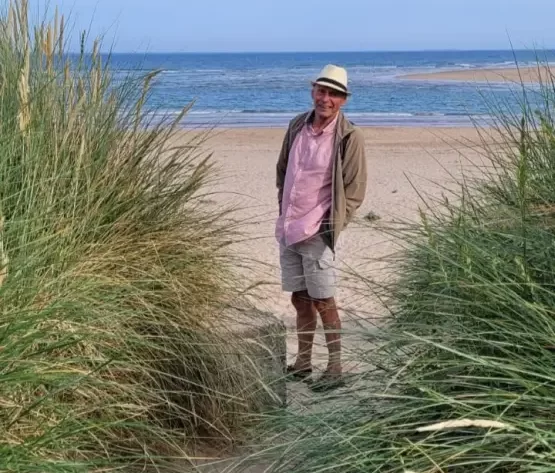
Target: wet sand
[[514, 75]]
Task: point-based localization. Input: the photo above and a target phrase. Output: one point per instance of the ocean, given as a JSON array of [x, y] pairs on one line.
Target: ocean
[[267, 89]]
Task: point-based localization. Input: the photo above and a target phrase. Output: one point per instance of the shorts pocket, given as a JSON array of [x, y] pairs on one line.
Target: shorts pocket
[[323, 264]]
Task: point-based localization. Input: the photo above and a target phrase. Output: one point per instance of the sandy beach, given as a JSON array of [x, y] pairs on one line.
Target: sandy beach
[[516, 75], [402, 162]]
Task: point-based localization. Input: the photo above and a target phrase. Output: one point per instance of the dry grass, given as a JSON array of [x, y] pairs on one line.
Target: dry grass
[[117, 280]]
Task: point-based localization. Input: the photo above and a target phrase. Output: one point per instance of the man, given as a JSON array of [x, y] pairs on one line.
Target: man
[[321, 181]]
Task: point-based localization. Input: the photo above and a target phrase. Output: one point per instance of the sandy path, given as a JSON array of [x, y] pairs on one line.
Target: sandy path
[[247, 160]]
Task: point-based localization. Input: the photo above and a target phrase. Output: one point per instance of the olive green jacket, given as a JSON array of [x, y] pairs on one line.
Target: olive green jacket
[[349, 173]]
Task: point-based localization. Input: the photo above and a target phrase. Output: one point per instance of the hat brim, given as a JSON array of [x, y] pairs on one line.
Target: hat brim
[[330, 86]]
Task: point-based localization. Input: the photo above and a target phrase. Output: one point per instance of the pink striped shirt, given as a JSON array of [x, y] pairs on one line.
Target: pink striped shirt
[[307, 187]]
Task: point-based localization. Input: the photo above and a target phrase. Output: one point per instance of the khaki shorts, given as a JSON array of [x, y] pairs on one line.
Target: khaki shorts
[[308, 266]]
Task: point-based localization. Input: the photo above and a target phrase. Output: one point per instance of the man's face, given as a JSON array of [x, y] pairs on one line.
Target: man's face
[[327, 101]]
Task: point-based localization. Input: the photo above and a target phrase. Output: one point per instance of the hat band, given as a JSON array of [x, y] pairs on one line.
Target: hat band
[[332, 82]]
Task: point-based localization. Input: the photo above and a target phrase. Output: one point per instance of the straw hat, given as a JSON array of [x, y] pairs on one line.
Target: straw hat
[[334, 77]]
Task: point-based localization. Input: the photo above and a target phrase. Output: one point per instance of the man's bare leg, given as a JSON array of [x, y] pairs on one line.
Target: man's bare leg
[[306, 326], [332, 326]]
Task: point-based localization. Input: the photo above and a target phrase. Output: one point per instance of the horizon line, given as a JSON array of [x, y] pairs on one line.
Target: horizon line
[[345, 51]]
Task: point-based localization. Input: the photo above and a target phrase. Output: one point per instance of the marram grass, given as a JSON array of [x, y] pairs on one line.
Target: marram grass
[[464, 373], [115, 278]]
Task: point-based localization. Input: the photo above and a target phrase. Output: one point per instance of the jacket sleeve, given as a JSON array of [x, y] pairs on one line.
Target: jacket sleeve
[[355, 173], [281, 167]]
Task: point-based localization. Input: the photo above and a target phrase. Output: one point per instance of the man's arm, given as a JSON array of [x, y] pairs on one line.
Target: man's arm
[[355, 173], [281, 167]]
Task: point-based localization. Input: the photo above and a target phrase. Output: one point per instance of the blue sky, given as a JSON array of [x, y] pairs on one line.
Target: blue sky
[[309, 25]]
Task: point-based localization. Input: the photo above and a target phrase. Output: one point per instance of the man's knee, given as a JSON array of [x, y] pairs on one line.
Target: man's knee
[[301, 301], [323, 305]]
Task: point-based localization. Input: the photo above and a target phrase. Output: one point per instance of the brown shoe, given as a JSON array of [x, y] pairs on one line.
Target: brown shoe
[[328, 382], [298, 375]]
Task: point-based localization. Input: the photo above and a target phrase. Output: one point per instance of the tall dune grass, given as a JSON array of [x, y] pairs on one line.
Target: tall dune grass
[[115, 344], [465, 371]]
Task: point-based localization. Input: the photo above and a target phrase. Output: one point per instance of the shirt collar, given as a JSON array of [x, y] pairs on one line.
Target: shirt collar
[[329, 128]]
